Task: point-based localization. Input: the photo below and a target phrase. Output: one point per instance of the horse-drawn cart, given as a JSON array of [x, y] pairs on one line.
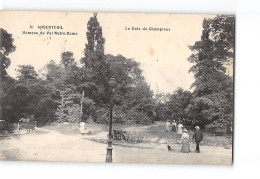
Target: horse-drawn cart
[[26, 124]]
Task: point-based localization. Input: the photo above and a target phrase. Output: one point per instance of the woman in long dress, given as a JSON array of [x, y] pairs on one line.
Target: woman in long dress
[[167, 126], [82, 128], [185, 148], [179, 132]]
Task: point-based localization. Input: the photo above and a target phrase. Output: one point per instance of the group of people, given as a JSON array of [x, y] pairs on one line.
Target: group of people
[[183, 134], [174, 127]]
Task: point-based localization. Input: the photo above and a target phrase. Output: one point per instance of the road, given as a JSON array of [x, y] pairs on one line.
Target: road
[[48, 145]]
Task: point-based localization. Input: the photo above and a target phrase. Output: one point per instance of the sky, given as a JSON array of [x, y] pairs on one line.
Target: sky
[[162, 54]]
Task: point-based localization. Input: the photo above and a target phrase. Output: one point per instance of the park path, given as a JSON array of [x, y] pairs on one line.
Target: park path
[[49, 145]]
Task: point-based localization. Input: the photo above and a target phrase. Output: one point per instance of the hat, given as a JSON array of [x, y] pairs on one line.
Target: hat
[[197, 127], [185, 130]]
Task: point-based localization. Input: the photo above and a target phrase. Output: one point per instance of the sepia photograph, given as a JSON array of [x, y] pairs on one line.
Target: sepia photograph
[[92, 87]]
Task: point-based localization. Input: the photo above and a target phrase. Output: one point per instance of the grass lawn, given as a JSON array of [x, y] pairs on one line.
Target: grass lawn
[[154, 133]]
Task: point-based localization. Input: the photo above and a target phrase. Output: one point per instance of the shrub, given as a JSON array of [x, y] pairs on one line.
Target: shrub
[[130, 116]]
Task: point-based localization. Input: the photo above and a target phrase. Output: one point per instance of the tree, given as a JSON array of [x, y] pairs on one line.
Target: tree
[[222, 32], [128, 76], [7, 98], [67, 59], [6, 82], [26, 72], [6, 47], [94, 60], [132, 94], [63, 80], [178, 103], [89, 108], [69, 108], [161, 108], [33, 96], [26, 90], [213, 93]]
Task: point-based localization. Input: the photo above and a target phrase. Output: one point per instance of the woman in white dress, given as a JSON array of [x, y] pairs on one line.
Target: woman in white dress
[[82, 128], [179, 132], [167, 125]]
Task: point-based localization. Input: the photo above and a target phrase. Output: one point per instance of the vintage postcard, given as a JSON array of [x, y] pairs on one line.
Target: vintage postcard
[[117, 87]]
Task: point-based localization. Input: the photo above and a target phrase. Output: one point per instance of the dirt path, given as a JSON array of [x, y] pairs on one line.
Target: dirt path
[[49, 145]]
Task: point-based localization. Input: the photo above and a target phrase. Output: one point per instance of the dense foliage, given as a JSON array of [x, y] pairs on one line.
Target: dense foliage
[[6, 82], [69, 92], [213, 88]]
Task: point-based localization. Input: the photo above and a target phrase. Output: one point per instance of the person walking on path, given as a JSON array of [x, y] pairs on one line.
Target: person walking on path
[[198, 136], [179, 132], [174, 126], [167, 125], [185, 148]]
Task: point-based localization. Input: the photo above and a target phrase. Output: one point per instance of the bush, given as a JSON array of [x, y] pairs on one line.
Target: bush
[[217, 127], [70, 114], [120, 116]]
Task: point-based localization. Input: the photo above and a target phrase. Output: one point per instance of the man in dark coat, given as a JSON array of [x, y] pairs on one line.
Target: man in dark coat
[[198, 136]]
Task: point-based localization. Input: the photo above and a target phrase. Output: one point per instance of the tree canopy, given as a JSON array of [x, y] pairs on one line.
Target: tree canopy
[[57, 93], [213, 88], [6, 47]]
